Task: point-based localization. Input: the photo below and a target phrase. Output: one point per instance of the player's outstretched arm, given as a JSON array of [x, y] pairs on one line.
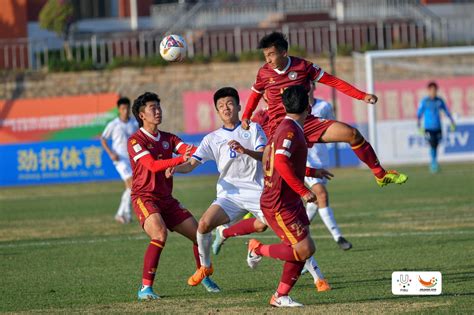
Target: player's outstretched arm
[[187, 167], [347, 88], [318, 173], [161, 165], [252, 104], [237, 147]]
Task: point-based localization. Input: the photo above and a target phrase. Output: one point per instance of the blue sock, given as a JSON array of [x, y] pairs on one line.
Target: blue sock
[[433, 156]]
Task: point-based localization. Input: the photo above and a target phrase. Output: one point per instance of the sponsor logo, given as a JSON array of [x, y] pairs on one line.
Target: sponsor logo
[[292, 75], [133, 141], [287, 143], [426, 283], [290, 135]]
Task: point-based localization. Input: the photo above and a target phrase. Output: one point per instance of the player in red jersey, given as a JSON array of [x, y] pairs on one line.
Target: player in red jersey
[[151, 153], [282, 71], [284, 162]]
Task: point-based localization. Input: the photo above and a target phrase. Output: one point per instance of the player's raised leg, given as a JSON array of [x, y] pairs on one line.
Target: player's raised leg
[[155, 228], [341, 132], [243, 227]]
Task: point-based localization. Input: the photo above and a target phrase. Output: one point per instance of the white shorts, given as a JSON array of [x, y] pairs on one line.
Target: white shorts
[[236, 208], [124, 169], [311, 181]]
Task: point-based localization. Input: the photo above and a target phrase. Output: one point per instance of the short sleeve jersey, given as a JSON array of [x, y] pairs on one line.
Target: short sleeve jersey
[[288, 140], [273, 82], [118, 132], [161, 147], [238, 173], [318, 155]]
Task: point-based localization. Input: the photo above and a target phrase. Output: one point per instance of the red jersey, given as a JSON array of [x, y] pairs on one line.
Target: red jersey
[[146, 183], [289, 141], [261, 117], [273, 82]]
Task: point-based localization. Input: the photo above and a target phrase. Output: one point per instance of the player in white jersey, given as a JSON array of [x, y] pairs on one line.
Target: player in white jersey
[[240, 181], [118, 131], [318, 157]]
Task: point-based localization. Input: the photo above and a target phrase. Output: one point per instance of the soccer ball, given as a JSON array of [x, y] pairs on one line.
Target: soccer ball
[[173, 48]]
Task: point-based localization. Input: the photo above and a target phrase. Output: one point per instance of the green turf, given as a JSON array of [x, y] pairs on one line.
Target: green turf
[[61, 251]]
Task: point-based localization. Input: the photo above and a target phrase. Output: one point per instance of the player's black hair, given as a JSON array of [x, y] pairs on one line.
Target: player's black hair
[[275, 39], [224, 92], [295, 99], [123, 101], [140, 103], [432, 84]]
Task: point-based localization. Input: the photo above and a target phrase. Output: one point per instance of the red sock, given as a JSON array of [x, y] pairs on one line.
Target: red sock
[[278, 251], [150, 262], [291, 273], [242, 227], [196, 256], [366, 154]]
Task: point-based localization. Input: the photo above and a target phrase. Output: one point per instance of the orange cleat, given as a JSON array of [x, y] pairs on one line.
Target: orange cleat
[[199, 275], [322, 285]]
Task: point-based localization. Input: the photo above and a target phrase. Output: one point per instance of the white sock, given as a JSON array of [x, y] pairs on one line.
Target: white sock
[[311, 210], [204, 247], [327, 216], [124, 208], [312, 266]]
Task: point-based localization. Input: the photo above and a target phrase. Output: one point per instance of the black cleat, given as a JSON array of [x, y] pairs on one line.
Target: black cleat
[[343, 243]]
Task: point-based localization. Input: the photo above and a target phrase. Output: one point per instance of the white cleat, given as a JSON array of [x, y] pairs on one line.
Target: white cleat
[[252, 258], [284, 301]]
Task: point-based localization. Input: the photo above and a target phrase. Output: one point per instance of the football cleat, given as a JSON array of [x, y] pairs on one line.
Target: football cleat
[[392, 177], [252, 258], [147, 294], [210, 285], [434, 168], [284, 301], [343, 243], [219, 240], [199, 275], [122, 219], [322, 285]]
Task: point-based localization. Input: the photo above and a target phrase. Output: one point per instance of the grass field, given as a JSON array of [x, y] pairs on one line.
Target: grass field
[[61, 251]]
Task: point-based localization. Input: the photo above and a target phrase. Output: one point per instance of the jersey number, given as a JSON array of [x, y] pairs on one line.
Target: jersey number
[[233, 154], [269, 160]]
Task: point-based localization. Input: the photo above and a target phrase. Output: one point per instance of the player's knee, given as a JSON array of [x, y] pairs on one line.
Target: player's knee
[[259, 226], [356, 137], [306, 250], [322, 199], [158, 233], [204, 226]]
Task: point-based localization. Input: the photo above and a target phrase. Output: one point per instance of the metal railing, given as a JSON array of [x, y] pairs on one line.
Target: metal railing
[[314, 38]]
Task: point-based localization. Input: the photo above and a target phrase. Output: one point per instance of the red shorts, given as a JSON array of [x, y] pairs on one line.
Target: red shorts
[[314, 128], [172, 212], [291, 226]]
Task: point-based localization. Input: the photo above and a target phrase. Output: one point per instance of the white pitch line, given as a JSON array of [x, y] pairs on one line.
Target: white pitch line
[[143, 237]]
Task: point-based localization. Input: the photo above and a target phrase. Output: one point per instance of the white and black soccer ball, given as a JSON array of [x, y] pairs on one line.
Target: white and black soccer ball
[[173, 48]]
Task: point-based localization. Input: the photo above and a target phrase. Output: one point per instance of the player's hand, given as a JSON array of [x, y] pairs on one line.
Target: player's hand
[[236, 146], [421, 130], [114, 157], [187, 153], [309, 197], [246, 124], [370, 98], [169, 172], [452, 127], [322, 173]]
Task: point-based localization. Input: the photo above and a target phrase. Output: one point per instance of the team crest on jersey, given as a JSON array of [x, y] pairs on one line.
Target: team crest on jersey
[[292, 75], [245, 135], [166, 145]]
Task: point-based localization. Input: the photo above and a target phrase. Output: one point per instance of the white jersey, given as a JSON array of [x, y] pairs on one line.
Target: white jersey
[[119, 132], [318, 155], [238, 173]]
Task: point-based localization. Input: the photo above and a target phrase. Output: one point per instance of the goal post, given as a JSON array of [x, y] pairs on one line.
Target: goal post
[[403, 69]]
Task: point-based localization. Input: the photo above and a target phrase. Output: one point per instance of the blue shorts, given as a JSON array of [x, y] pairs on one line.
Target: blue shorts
[[433, 137]]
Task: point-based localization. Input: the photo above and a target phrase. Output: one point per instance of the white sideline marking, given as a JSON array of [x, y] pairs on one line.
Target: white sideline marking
[[255, 235]]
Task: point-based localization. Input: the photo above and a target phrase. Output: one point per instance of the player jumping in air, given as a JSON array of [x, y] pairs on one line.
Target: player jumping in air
[[151, 152], [429, 110], [282, 71], [284, 163], [240, 182], [118, 130]]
